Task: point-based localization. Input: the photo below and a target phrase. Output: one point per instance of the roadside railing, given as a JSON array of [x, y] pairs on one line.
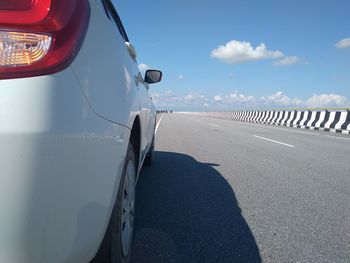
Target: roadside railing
[[326, 120]]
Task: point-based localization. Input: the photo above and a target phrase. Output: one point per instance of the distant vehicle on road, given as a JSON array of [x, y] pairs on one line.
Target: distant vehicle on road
[[76, 125]]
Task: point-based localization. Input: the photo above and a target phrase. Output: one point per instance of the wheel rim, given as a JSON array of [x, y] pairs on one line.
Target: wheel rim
[[128, 205]]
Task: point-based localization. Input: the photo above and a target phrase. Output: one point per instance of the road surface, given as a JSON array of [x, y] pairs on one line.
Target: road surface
[[227, 191]]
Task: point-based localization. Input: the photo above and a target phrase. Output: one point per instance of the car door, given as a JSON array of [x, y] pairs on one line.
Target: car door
[[106, 72], [142, 87]]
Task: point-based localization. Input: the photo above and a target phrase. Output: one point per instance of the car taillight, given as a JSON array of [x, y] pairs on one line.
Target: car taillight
[[39, 37]]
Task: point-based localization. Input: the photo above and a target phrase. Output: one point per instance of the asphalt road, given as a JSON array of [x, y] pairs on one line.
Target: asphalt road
[[226, 191]]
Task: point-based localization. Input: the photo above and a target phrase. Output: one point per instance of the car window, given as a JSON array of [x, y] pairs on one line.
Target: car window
[[114, 17]]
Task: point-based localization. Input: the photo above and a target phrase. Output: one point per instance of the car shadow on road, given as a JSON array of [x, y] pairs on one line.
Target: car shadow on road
[[187, 212]]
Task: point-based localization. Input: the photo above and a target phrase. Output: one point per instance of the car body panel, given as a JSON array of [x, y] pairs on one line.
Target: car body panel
[[110, 78], [64, 138], [60, 167]]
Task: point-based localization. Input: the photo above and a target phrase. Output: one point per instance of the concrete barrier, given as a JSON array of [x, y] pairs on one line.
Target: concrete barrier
[[326, 120]]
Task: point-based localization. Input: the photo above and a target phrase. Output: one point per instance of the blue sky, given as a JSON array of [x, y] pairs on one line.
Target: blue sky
[[228, 54]]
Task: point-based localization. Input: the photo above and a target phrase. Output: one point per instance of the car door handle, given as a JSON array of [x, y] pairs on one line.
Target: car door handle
[[131, 49]]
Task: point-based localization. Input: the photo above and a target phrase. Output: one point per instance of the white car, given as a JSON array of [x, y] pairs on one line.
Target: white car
[[76, 124]]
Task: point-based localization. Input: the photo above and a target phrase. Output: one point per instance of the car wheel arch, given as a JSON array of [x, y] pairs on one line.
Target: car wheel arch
[[135, 139]]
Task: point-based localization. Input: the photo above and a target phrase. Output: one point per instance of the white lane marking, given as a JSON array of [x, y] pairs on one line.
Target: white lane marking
[[286, 129], [272, 127], [335, 137], [309, 131], [215, 125], [157, 126], [266, 139]]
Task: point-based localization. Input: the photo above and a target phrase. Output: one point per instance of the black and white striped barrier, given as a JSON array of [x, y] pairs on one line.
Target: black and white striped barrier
[[333, 121]]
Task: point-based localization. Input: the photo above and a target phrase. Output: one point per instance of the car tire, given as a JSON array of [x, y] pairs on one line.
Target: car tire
[[149, 160], [123, 215], [117, 244]]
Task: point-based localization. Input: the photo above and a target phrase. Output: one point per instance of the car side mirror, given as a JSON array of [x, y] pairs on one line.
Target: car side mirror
[[153, 76]]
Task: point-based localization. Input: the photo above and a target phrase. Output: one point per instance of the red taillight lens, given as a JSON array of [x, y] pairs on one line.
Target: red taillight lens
[[39, 37], [16, 4], [24, 11]]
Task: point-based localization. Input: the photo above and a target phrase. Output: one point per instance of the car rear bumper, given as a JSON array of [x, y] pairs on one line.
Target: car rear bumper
[[60, 170]]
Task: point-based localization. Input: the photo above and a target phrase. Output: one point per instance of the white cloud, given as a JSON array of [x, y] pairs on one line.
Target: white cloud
[[143, 67], [327, 100], [169, 93], [235, 52], [196, 96], [287, 61], [234, 98], [344, 43], [168, 100], [218, 98], [237, 100], [180, 77], [279, 99], [196, 100]]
